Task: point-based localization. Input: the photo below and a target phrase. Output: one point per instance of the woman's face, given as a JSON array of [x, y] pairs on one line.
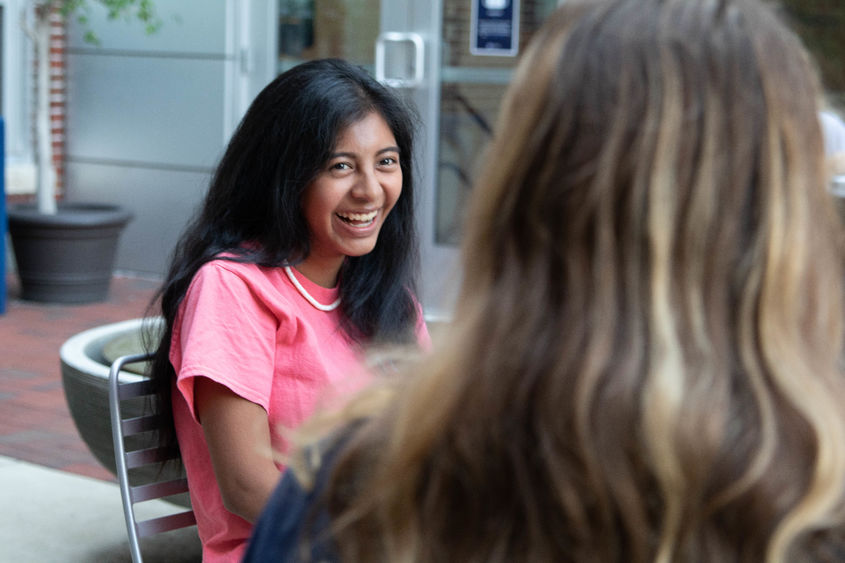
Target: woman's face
[[347, 203]]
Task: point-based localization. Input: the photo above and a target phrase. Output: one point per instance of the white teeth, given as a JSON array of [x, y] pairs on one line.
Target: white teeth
[[359, 217]]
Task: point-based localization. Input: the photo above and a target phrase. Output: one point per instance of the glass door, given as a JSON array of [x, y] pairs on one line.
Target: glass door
[[478, 45]]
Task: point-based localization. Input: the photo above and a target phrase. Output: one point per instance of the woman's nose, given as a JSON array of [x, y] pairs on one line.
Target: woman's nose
[[367, 185]]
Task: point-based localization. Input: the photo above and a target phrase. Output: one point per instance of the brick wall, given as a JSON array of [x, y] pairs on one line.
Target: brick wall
[[58, 42]]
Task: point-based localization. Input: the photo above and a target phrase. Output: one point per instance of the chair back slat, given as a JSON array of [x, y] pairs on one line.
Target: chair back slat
[[137, 389], [151, 491], [165, 523], [140, 458], [139, 424]]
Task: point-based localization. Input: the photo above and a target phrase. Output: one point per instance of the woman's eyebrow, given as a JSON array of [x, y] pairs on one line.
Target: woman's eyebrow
[[353, 155]]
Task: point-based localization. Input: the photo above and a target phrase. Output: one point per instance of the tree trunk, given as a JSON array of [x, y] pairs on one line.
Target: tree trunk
[[45, 169]]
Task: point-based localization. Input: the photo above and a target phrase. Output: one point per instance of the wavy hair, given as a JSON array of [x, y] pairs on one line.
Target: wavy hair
[[644, 364]]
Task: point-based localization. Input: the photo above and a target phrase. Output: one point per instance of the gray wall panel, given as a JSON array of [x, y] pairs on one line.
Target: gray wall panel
[[161, 200], [189, 26], [148, 116], [150, 110]]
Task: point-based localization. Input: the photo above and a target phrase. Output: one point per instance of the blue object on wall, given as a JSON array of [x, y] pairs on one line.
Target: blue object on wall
[[2, 216], [494, 28]]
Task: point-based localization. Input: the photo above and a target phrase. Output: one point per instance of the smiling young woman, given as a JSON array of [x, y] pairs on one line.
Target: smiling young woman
[[303, 254]]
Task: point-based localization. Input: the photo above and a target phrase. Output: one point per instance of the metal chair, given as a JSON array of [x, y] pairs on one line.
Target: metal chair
[[132, 456]]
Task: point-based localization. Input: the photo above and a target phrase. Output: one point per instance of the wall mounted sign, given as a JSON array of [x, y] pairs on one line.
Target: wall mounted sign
[[494, 28]]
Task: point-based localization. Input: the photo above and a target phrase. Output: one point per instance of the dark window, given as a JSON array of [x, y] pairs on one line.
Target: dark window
[[821, 25]]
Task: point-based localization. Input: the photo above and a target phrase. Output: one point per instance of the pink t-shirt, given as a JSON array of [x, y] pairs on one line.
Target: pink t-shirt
[[248, 328]]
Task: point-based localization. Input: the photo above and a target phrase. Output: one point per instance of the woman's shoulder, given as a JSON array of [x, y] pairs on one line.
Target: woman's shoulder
[[231, 275], [227, 265]]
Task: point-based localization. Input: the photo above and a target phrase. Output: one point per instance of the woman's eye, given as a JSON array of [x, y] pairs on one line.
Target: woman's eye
[[387, 161], [340, 166]]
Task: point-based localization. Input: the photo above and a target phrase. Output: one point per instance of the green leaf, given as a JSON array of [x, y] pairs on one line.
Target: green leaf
[[141, 10], [91, 37]]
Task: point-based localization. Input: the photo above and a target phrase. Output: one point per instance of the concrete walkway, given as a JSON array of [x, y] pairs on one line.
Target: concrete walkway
[[48, 515]]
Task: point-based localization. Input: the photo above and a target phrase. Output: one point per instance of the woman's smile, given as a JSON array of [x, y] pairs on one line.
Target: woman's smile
[[358, 219]]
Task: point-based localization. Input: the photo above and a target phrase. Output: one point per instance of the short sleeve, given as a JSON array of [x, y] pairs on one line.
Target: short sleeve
[[226, 333]]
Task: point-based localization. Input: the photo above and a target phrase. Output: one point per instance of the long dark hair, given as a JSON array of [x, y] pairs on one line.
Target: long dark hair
[[253, 206]]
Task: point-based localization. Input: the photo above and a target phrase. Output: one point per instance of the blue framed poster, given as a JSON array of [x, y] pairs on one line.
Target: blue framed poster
[[494, 28]]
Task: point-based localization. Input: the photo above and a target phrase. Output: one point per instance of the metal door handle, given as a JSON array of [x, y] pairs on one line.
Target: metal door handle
[[419, 58]]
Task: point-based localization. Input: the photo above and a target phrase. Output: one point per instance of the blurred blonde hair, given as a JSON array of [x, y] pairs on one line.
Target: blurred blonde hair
[[644, 364]]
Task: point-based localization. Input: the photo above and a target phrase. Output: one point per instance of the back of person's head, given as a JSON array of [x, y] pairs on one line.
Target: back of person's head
[[644, 365]]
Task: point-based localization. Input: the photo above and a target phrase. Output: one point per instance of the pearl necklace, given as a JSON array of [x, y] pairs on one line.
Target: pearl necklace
[[307, 296]]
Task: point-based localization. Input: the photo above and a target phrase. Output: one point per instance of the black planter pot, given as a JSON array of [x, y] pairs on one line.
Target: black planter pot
[[67, 257]]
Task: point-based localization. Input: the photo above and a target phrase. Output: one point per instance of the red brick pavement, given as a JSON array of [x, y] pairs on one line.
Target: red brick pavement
[[35, 424]]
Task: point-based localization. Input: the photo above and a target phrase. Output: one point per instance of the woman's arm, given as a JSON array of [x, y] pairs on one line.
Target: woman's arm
[[238, 435]]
